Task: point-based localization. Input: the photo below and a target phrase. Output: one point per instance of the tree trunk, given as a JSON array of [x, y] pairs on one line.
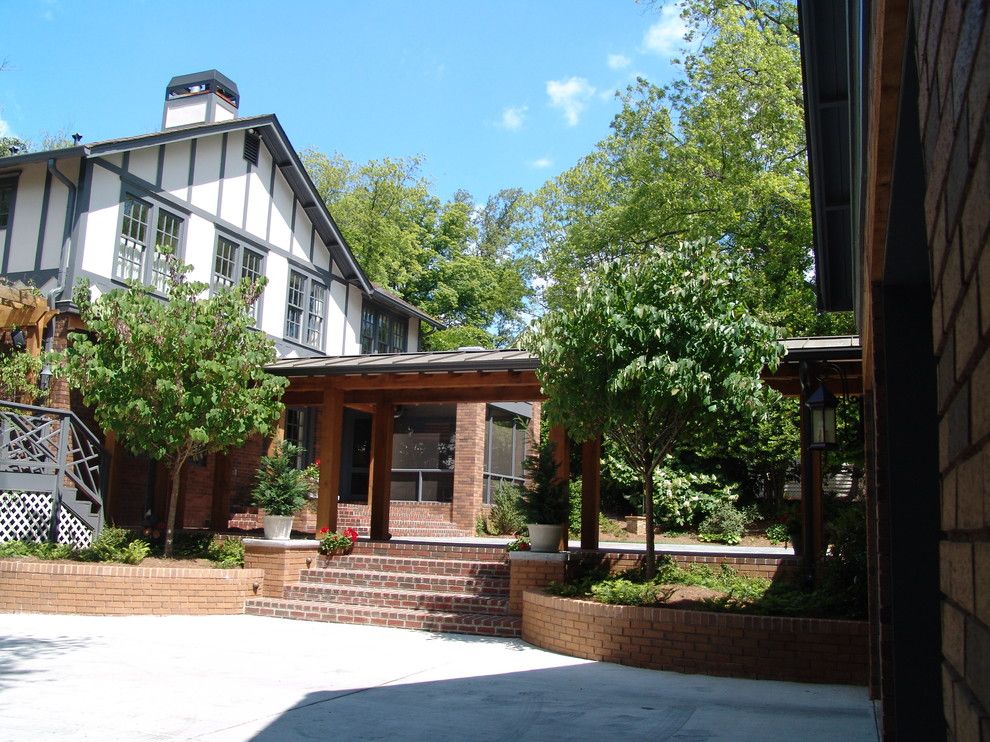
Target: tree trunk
[[173, 505], [650, 564]]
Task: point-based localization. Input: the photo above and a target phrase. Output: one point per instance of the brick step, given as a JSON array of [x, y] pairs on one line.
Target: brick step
[[418, 565], [433, 551], [495, 587], [390, 598], [403, 618]]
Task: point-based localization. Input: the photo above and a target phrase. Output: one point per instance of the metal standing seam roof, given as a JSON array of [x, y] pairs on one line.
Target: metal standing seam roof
[[824, 348], [398, 363]]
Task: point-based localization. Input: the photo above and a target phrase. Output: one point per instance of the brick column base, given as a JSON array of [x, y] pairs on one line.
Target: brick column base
[[281, 561], [530, 570]]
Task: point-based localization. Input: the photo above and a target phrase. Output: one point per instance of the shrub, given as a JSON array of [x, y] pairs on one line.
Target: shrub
[[135, 552], [115, 545], [16, 549], [280, 488], [545, 501], [226, 553], [726, 525], [778, 533], [621, 591], [505, 517]]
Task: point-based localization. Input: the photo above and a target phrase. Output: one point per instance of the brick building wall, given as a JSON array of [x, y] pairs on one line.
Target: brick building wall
[[469, 462], [953, 56]]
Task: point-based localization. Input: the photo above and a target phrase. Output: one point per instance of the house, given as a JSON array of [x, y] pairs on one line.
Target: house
[[897, 97], [230, 196]]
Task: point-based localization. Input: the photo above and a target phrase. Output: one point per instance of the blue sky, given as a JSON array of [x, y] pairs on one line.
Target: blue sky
[[492, 95]]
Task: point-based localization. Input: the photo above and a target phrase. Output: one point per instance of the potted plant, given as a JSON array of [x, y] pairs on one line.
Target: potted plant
[[544, 501], [332, 542], [280, 490]]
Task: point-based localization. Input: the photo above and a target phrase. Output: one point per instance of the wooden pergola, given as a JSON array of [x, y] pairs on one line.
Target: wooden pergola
[[377, 384]]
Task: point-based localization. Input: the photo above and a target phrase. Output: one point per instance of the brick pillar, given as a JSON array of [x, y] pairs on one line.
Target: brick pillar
[[469, 463], [529, 570], [281, 560]]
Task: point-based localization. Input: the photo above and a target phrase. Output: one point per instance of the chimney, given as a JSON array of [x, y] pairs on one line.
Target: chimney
[[199, 98]]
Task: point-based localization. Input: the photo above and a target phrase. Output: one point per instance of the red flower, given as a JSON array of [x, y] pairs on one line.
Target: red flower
[[317, 463], [351, 534], [324, 531]]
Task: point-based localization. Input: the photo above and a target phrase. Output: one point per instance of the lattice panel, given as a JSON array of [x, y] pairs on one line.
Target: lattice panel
[[25, 516], [73, 531]]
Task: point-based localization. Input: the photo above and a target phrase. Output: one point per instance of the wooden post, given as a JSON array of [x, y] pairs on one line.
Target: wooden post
[[591, 490], [562, 459], [112, 472], [381, 468], [279, 435], [331, 430], [220, 510]]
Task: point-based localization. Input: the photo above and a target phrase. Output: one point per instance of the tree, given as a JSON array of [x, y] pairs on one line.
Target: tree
[[665, 348], [718, 155], [177, 378], [458, 261]]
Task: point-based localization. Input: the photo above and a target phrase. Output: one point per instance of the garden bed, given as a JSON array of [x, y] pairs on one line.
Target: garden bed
[[807, 650]]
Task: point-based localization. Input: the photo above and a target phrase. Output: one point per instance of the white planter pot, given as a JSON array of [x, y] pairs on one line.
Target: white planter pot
[[545, 538], [277, 526]]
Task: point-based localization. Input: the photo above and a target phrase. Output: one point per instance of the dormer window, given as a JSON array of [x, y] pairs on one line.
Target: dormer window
[[382, 331]]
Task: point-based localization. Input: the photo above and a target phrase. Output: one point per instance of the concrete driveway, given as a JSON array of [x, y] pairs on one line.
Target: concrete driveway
[[245, 677]]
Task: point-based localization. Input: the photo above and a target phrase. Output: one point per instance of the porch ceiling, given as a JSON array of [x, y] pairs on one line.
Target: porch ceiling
[[842, 353]]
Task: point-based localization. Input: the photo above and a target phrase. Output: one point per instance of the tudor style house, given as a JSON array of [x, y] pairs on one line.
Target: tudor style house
[[231, 198]]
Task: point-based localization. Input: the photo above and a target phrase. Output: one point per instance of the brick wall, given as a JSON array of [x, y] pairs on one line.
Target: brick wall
[[773, 648], [103, 589], [469, 462], [279, 561], [529, 571], [953, 56]]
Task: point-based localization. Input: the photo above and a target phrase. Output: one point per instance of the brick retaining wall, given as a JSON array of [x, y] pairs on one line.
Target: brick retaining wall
[[117, 589], [765, 647]]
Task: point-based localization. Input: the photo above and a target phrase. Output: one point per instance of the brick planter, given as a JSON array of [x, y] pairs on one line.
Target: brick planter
[[766, 647], [118, 589]]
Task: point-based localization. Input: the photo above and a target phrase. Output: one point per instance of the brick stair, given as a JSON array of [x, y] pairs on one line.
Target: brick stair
[[430, 587]]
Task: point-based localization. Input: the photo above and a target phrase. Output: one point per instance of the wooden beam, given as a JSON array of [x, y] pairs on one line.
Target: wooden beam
[[381, 468], [331, 430], [591, 490], [446, 380], [303, 398], [562, 459], [526, 393]]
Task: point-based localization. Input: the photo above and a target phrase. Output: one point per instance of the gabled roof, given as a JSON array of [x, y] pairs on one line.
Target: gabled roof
[[393, 300], [275, 138]]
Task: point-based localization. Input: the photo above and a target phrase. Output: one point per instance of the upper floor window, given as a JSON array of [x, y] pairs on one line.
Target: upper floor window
[[7, 189], [146, 229], [305, 310], [234, 262], [382, 331]]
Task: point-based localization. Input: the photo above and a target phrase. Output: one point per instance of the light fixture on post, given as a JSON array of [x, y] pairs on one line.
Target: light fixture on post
[[821, 404], [45, 378]]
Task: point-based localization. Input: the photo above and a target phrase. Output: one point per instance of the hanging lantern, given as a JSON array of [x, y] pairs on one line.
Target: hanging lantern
[[822, 404], [18, 339]]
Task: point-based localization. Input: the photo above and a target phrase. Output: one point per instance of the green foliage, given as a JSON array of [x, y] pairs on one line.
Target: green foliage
[[519, 543], [179, 378], [20, 372], [665, 348], [619, 591], [9, 143], [16, 548], [115, 545], [778, 533], [682, 496], [505, 516], [226, 553], [544, 501], [48, 550], [459, 261], [726, 524], [280, 488]]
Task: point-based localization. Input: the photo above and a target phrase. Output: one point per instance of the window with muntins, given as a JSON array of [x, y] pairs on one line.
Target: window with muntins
[[234, 262], [505, 450], [300, 429], [382, 331], [305, 310], [146, 229]]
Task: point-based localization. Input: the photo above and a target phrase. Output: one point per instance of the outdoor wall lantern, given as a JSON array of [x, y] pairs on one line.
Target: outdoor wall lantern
[[18, 339], [822, 404]]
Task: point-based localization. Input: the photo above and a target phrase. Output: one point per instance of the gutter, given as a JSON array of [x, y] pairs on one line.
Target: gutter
[[66, 252]]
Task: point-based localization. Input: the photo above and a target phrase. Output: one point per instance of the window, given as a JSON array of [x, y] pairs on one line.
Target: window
[[234, 262], [146, 228], [305, 310], [300, 429], [382, 332], [505, 450], [7, 189]]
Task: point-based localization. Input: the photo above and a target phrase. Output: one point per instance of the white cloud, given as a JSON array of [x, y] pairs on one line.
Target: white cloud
[[541, 163], [513, 117], [618, 61], [570, 96], [4, 128], [665, 35]]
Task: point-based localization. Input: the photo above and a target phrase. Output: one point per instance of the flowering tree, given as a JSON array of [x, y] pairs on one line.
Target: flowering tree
[[655, 351], [176, 378]]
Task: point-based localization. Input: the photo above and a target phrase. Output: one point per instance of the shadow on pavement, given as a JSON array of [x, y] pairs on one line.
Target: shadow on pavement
[[15, 651]]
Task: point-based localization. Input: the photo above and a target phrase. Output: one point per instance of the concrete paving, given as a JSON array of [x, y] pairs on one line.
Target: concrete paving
[[224, 678]]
